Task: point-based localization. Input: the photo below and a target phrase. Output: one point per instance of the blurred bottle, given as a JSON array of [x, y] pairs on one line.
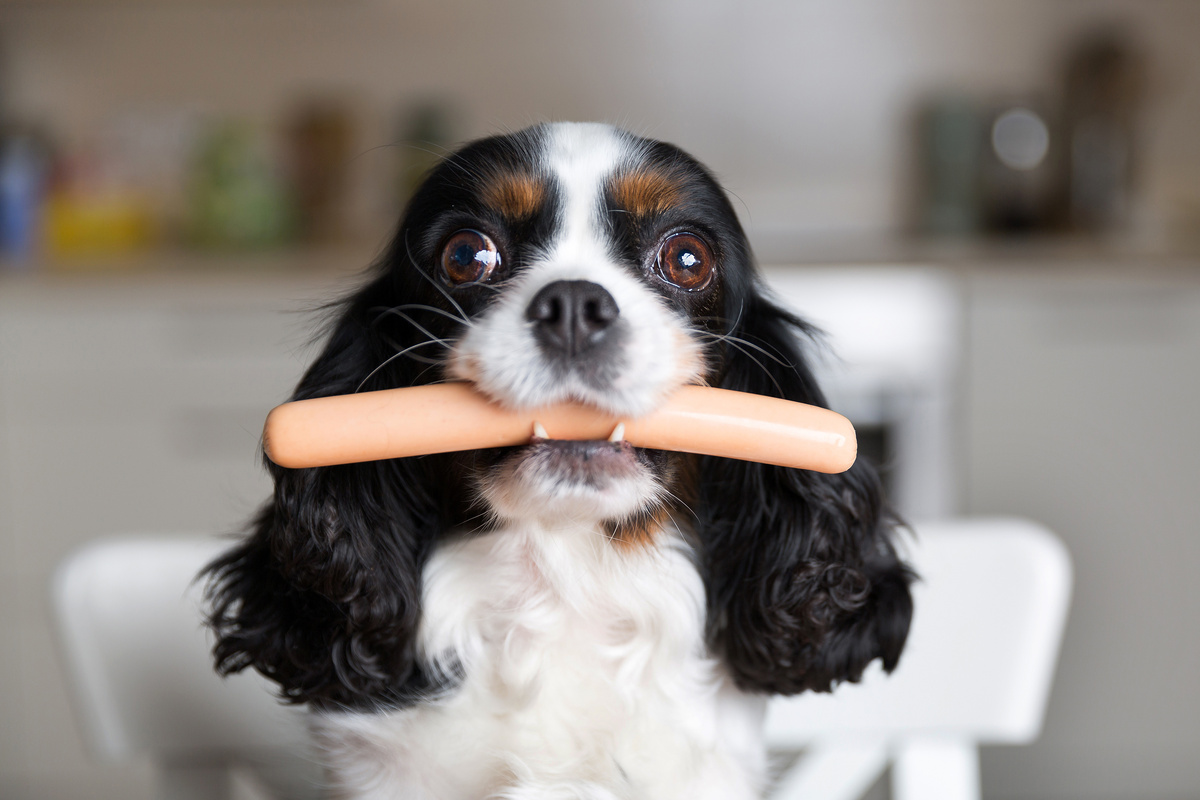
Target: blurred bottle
[[950, 143], [1103, 92], [24, 164], [320, 142]]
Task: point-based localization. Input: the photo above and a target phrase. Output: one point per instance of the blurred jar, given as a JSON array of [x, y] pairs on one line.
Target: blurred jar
[[92, 209], [237, 198]]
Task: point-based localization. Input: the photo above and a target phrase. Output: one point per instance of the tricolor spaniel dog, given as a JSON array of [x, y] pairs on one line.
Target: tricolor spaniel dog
[[565, 619]]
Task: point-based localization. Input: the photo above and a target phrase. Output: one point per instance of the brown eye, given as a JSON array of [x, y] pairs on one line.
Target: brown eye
[[469, 257], [685, 261]]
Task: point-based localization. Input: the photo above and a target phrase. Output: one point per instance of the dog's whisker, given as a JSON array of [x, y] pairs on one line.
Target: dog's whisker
[[433, 362], [421, 375], [383, 311], [677, 500], [416, 324], [434, 309], [452, 160], [750, 356], [738, 319], [610, 537], [743, 338], [394, 356], [398, 311], [729, 337]]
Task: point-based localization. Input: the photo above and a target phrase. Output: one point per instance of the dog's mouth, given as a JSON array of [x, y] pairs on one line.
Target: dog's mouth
[[572, 478], [585, 461]]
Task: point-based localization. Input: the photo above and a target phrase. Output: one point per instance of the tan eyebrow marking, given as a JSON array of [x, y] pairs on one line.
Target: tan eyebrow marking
[[516, 195], [643, 192]]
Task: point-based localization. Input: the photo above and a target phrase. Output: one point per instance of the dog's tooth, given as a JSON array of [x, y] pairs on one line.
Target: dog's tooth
[[539, 432], [618, 433]]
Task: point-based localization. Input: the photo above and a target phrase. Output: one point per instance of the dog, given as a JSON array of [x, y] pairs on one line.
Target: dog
[[566, 619]]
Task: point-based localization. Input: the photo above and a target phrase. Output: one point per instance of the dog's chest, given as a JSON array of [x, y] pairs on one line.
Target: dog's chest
[[580, 661], [564, 622]]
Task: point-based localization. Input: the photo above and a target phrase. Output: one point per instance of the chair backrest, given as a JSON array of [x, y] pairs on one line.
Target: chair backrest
[[990, 609], [137, 652]]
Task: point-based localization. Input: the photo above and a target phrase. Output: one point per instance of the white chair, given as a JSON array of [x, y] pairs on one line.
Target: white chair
[[990, 609], [130, 623], [990, 612]]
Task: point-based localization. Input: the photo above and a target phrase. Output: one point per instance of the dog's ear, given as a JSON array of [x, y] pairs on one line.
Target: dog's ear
[[323, 596], [804, 585]]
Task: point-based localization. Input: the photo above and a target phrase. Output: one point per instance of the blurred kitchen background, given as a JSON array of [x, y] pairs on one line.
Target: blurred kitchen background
[[992, 205]]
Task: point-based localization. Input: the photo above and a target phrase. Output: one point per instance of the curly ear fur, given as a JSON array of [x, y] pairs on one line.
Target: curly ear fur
[[804, 585], [324, 595]]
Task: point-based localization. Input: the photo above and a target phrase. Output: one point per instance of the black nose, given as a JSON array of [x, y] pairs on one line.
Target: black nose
[[572, 317]]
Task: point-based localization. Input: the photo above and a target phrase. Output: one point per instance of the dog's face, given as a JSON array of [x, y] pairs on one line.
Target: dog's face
[[584, 264]]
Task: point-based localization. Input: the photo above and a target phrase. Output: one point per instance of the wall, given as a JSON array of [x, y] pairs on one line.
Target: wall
[[802, 107]]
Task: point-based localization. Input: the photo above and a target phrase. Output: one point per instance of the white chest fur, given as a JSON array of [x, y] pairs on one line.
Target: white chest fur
[[584, 676]]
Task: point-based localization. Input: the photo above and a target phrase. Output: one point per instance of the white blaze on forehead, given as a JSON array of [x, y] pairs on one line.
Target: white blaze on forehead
[[582, 156], [500, 353]]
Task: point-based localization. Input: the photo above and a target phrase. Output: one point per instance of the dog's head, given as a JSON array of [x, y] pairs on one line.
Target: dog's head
[[563, 262], [568, 262]]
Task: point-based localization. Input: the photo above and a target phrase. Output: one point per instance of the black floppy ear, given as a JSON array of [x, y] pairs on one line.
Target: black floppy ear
[[323, 596], [804, 584]]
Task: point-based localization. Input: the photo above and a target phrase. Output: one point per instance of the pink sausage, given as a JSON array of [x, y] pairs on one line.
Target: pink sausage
[[442, 418]]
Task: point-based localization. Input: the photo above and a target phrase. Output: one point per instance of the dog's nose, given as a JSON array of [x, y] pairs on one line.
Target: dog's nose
[[571, 317]]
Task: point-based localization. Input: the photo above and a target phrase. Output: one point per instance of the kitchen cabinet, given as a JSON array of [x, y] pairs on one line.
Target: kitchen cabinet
[[129, 405], [1081, 390]]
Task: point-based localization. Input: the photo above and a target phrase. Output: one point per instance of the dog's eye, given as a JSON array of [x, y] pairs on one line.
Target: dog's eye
[[469, 257], [685, 261]]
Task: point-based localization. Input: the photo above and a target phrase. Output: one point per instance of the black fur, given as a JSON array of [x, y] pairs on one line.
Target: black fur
[[324, 596], [804, 584]]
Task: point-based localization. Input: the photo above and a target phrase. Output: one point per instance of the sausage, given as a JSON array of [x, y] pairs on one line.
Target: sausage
[[442, 418]]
